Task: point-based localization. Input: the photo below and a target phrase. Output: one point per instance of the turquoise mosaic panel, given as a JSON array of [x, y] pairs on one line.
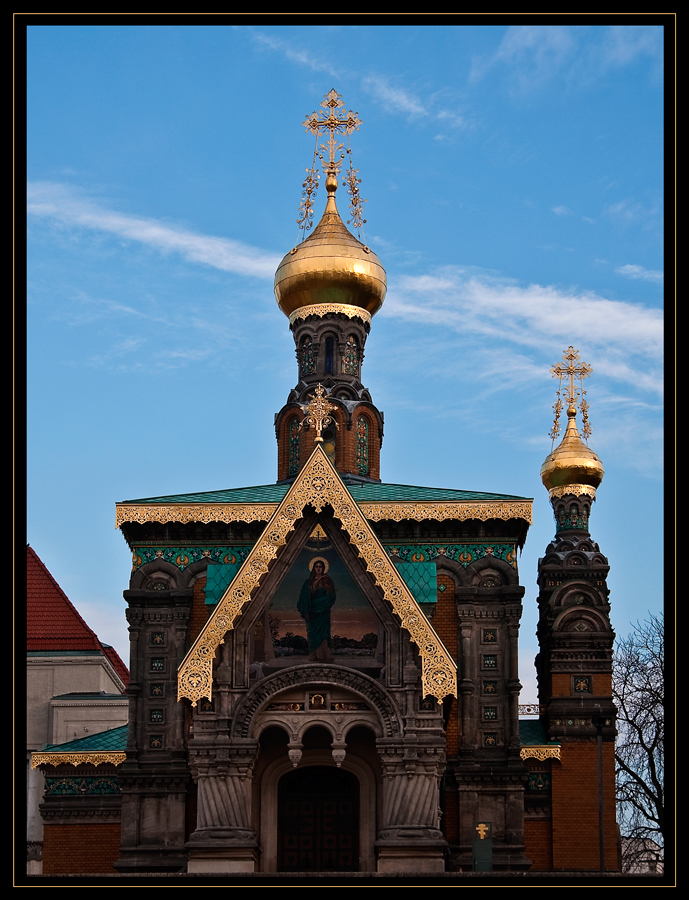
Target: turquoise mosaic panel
[[218, 579], [185, 556], [421, 579], [461, 553], [81, 786]]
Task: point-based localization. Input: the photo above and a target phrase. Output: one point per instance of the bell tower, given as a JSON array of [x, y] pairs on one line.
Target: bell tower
[[330, 285], [574, 665]]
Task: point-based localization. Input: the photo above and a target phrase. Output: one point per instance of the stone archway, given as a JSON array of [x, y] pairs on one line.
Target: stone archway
[[321, 761]]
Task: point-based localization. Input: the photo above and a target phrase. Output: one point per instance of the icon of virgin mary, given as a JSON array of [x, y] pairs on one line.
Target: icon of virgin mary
[[315, 602]]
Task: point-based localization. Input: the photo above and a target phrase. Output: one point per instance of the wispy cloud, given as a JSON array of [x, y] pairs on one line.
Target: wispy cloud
[[632, 271], [302, 56], [537, 317], [67, 205], [535, 54]]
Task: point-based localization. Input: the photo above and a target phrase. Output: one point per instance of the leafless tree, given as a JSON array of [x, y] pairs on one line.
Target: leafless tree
[[638, 692]]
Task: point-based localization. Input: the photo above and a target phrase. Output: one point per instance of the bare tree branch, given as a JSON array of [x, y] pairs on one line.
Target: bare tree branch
[[638, 692]]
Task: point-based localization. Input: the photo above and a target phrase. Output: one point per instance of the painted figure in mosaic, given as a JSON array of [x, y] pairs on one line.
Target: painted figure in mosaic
[[315, 602]]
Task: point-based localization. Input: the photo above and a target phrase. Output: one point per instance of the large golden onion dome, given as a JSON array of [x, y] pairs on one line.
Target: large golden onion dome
[[572, 462], [330, 267]]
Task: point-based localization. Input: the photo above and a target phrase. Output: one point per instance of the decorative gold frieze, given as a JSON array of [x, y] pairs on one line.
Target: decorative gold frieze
[[193, 512], [438, 512], [374, 512], [540, 752], [317, 485], [575, 489], [530, 709], [76, 759], [322, 309]]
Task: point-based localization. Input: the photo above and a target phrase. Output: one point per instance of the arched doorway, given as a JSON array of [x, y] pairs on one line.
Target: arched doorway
[[318, 820]]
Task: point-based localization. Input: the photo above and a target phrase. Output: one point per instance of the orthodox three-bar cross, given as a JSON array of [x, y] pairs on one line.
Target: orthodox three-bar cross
[[332, 123], [569, 369]]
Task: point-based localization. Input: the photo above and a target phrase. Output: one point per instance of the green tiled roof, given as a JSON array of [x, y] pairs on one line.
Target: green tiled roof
[[112, 741], [369, 492], [531, 732]]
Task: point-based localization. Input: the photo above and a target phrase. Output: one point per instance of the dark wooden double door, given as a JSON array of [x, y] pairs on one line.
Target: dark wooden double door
[[318, 821]]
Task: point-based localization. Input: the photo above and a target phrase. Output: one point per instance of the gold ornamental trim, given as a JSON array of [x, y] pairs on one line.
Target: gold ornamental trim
[[76, 759], [317, 485], [575, 489], [541, 753], [374, 512], [193, 512], [322, 309], [511, 509]]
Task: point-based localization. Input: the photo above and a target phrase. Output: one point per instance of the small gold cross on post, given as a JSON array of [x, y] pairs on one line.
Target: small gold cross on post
[[317, 412]]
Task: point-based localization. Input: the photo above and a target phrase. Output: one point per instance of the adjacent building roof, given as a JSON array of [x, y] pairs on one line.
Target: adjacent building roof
[[53, 625]]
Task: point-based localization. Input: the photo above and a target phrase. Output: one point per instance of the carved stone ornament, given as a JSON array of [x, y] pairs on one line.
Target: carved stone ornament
[[317, 485]]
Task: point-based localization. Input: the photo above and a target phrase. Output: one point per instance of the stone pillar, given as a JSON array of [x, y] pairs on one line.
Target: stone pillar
[[224, 840], [410, 839]]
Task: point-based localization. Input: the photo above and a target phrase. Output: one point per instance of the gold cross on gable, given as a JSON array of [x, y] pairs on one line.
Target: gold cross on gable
[[482, 830], [317, 412], [319, 123]]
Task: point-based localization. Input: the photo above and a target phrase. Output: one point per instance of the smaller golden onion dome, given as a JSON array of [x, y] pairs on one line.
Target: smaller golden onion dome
[[330, 267], [572, 462]]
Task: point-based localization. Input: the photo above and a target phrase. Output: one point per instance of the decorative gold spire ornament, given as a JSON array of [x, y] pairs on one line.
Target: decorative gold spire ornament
[[333, 123], [330, 271], [317, 413], [572, 467], [571, 371]]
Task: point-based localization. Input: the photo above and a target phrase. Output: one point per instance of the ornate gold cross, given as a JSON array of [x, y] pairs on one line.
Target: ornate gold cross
[[569, 369], [317, 412], [333, 123], [319, 123]]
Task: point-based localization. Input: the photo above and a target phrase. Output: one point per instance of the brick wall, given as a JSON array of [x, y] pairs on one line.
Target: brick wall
[[83, 848], [200, 611], [538, 844], [575, 806]]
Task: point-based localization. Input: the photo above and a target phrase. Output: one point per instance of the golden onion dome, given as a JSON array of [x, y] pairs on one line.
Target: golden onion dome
[[330, 267], [572, 462]]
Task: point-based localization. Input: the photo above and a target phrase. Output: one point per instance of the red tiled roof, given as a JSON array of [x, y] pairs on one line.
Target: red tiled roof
[[52, 622], [117, 663]]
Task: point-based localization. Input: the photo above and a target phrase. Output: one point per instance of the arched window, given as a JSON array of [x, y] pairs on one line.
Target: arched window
[[307, 357], [294, 445], [362, 445], [329, 356], [350, 359]]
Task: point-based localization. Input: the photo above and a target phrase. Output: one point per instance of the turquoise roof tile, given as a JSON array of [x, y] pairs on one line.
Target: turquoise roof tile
[[105, 741], [370, 492]]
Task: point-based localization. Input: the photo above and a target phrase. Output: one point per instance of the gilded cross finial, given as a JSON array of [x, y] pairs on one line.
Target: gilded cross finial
[[331, 122], [570, 369], [317, 412]]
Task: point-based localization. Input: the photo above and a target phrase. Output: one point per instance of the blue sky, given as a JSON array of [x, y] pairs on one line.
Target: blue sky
[[514, 185]]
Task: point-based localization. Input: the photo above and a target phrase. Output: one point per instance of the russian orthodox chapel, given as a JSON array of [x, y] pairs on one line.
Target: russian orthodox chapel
[[324, 670]]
